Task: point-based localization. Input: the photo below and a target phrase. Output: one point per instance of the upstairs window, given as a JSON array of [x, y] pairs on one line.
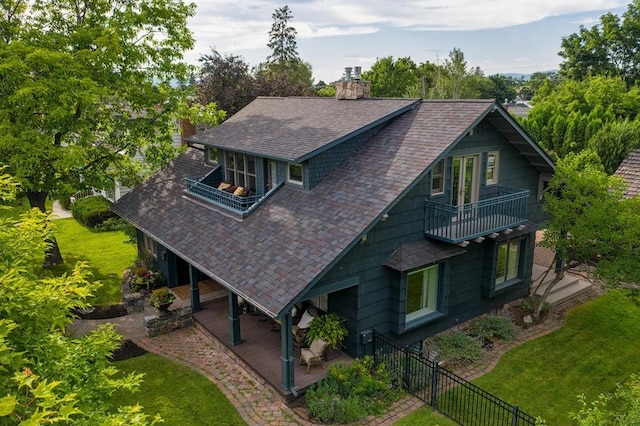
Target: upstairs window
[[241, 170], [437, 178], [212, 156], [294, 174], [149, 245], [492, 168]]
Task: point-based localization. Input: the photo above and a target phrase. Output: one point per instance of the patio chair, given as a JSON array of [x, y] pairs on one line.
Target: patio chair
[[313, 354]]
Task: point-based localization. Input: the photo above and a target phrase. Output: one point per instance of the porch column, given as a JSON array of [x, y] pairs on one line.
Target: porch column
[[286, 358], [195, 290], [234, 319]]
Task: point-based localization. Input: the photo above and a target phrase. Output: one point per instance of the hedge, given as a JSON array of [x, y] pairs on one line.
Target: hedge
[[92, 211]]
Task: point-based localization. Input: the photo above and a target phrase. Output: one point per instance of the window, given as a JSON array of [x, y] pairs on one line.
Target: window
[[149, 245], [213, 155], [508, 261], [422, 292], [492, 168], [294, 174], [241, 170], [437, 178]]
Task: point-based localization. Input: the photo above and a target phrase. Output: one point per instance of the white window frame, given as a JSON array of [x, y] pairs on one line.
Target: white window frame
[[440, 189], [149, 245], [430, 295], [211, 150], [492, 169], [295, 181], [511, 271]]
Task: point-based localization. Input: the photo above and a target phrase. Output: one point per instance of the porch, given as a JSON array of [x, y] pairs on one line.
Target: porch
[[260, 349]]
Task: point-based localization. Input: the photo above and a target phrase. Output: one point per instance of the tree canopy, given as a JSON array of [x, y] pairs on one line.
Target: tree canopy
[[608, 48], [47, 376], [85, 88]]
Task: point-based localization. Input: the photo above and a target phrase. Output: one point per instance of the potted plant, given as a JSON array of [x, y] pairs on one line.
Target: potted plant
[[330, 328], [161, 298]]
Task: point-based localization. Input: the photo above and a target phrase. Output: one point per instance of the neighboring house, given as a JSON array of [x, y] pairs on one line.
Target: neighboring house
[[629, 171], [404, 216]]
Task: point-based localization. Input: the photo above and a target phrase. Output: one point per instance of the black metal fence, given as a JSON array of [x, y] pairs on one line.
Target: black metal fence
[[446, 392]]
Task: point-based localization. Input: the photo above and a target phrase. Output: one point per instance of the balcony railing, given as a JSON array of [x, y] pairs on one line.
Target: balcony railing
[[506, 208]]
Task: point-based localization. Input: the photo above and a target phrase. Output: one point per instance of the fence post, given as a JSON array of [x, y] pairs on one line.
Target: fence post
[[434, 385], [407, 367], [514, 420], [376, 361]]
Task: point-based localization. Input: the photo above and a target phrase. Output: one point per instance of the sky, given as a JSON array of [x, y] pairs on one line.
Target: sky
[[499, 36]]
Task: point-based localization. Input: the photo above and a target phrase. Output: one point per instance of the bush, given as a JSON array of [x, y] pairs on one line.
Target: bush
[[456, 347], [92, 211], [350, 393], [115, 224], [493, 327]]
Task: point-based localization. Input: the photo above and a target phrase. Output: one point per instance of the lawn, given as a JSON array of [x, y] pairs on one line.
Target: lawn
[[425, 416], [106, 252], [180, 395], [596, 349]]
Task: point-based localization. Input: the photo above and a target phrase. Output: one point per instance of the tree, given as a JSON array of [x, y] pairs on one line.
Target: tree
[[284, 73], [46, 376], [391, 79], [85, 87], [282, 38], [620, 408], [609, 48], [456, 81], [592, 228], [225, 80], [499, 87]]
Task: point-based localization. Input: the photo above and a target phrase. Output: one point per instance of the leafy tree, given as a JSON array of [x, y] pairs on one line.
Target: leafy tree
[[84, 87], [391, 78], [592, 228], [225, 80], [500, 88], [609, 48], [621, 408], [46, 376], [456, 81], [614, 141]]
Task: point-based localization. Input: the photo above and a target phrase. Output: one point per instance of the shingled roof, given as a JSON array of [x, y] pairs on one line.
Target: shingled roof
[[629, 170], [296, 235], [292, 129]]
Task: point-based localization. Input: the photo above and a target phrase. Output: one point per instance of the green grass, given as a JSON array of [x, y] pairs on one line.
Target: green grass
[[596, 349], [425, 416], [107, 254], [180, 395]]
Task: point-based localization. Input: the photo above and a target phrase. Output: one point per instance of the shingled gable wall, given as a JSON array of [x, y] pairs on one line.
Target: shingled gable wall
[[377, 300]]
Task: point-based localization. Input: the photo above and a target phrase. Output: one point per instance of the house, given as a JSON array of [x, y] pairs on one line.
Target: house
[[629, 171], [405, 216]]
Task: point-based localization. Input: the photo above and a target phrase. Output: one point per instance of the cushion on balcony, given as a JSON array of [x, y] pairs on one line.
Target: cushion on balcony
[[224, 185], [240, 191]]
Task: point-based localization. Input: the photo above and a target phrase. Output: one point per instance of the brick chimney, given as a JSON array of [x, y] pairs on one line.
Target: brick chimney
[[353, 88], [187, 129]]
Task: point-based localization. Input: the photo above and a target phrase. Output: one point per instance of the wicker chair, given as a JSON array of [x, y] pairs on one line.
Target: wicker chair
[[313, 354]]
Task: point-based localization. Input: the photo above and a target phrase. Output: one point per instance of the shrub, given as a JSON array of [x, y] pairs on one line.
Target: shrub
[[350, 393], [92, 211], [456, 347], [493, 327], [114, 224]]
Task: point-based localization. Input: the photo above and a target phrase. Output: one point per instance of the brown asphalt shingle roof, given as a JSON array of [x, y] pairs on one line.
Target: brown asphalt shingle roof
[[296, 235], [293, 128], [629, 170]]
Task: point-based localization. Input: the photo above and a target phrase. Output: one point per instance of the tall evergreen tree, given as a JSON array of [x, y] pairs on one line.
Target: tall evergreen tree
[[282, 38]]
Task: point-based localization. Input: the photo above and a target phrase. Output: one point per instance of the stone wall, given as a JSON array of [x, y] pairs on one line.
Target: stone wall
[[166, 322]]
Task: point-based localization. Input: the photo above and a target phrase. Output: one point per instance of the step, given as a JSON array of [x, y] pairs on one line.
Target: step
[[567, 288]]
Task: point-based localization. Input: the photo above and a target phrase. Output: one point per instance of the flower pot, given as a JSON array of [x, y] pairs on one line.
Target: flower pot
[[164, 307]]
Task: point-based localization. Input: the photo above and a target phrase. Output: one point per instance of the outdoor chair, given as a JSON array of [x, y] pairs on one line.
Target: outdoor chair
[[313, 354]]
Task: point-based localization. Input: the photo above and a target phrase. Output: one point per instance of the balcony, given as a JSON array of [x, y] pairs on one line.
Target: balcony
[[206, 189], [503, 209]]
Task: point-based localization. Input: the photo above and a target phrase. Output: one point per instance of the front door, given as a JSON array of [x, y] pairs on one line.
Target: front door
[[466, 185]]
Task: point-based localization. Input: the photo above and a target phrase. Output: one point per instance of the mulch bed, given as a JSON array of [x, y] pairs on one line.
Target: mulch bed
[[102, 312], [128, 350], [518, 314]]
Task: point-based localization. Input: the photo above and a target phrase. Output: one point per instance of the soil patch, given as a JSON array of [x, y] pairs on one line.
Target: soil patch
[[518, 313], [299, 406], [128, 350], [101, 312]]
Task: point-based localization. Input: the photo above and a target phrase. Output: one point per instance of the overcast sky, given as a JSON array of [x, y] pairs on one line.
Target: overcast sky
[[499, 36]]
